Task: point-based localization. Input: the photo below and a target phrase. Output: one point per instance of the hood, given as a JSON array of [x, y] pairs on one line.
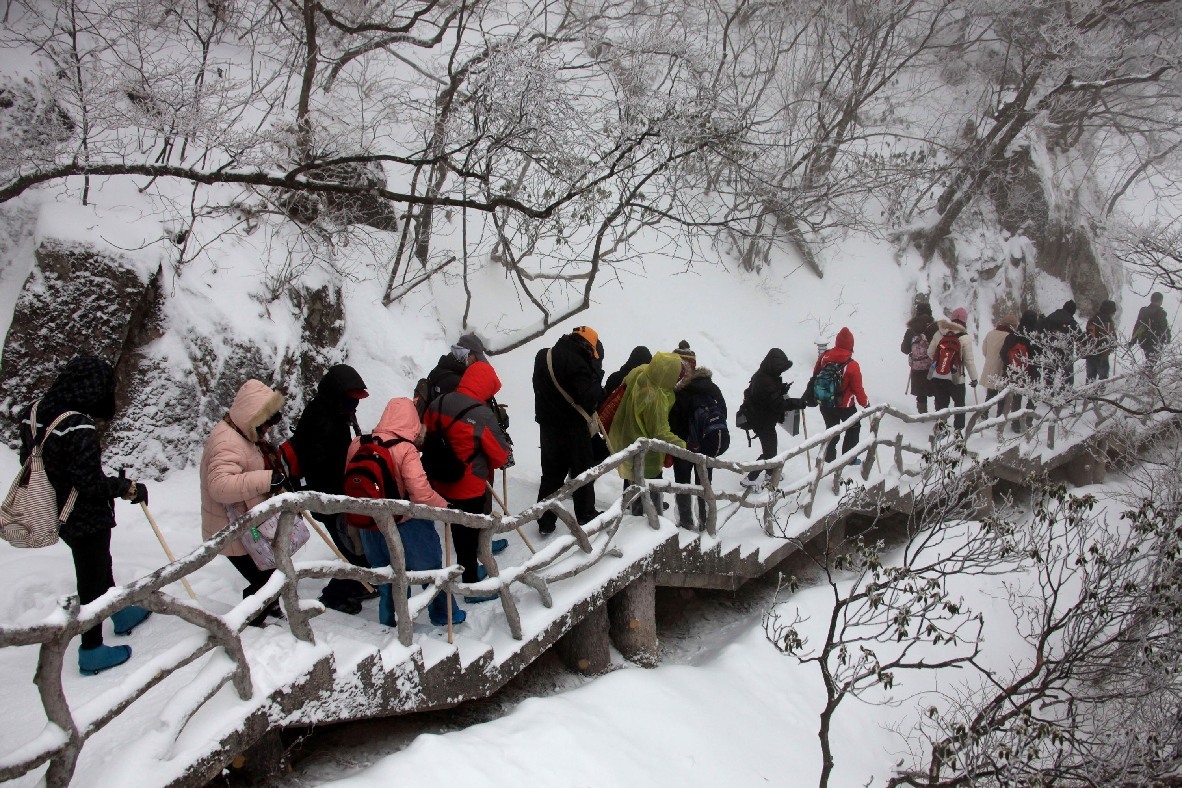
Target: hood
[[400, 420], [920, 324], [775, 362], [698, 373], [845, 339], [950, 327], [339, 380], [85, 384], [664, 370], [480, 381], [254, 403], [639, 355]]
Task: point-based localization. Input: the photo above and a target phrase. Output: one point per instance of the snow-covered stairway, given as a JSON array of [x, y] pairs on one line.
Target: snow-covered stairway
[[204, 687]]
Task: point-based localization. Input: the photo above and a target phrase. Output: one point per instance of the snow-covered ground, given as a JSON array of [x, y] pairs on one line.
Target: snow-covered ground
[[726, 707]]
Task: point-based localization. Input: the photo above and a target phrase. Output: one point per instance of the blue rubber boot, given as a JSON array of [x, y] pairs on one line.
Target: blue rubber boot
[[499, 546], [437, 611], [100, 658], [481, 573], [129, 618]]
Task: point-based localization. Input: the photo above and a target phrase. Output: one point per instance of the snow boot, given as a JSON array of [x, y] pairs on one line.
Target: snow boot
[[499, 546], [129, 618], [437, 611], [481, 573], [95, 660]]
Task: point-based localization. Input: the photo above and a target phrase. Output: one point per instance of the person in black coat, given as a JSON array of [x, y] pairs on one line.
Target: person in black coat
[[451, 365], [640, 355], [1018, 355], [321, 442], [920, 330], [696, 385], [73, 461], [765, 402], [562, 430], [1061, 338]]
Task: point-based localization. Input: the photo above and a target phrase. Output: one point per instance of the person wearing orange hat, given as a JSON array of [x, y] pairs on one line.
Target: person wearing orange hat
[[566, 382]]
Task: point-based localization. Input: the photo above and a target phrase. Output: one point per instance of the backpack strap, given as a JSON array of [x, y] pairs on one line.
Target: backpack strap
[[39, 446], [464, 412], [570, 400]]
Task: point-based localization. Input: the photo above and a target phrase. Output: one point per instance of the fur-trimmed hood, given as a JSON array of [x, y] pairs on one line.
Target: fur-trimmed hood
[[253, 405]]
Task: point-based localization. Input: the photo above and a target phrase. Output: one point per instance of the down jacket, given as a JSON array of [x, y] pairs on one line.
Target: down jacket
[[644, 411], [477, 438], [851, 379], [401, 420], [993, 370], [967, 362], [639, 355], [72, 453], [578, 373], [233, 469], [322, 435], [764, 401]]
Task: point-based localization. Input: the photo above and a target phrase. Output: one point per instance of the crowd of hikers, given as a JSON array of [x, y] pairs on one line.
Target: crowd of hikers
[[442, 446]]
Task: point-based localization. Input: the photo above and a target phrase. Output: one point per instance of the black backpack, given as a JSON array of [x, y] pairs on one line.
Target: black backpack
[[708, 432], [440, 462]]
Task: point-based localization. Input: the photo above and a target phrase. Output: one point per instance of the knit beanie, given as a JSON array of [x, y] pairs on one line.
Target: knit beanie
[[683, 350], [960, 315]]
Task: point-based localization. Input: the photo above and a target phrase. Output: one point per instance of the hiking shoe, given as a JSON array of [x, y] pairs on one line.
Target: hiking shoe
[[546, 527], [129, 618], [498, 546], [100, 658], [584, 520], [349, 606], [476, 600], [457, 617], [856, 461]]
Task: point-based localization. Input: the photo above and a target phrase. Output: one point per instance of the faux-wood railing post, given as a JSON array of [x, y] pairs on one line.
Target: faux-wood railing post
[[297, 618]]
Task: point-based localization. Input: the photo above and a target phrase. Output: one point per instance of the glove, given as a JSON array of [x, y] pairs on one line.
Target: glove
[[278, 481], [139, 493], [668, 460], [973, 384]]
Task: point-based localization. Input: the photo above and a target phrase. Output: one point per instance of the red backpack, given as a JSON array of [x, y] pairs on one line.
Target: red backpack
[[947, 361], [1018, 357], [368, 475], [607, 411]]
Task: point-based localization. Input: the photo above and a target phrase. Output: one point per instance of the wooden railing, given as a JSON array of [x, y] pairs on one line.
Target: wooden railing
[[67, 730]]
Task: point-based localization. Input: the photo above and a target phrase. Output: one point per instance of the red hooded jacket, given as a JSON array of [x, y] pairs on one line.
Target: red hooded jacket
[[476, 438], [851, 380]]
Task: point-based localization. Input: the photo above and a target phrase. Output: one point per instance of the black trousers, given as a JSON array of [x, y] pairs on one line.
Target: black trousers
[[768, 446], [255, 578], [1098, 367], [835, 416], [465, 539], [947, 391], [565, 452], [92, 570], [340, 588]]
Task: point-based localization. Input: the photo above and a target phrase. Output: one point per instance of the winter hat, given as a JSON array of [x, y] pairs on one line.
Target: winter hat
[[1107, 308], [590, 336], [923, 308], [1069, 307], [1156, 298], [845, 339], [1008, 321], [960, 315], [469, 344], [683, 350]]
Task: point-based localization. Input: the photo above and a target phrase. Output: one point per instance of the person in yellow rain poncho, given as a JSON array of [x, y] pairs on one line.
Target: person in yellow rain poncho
[[644, 413]]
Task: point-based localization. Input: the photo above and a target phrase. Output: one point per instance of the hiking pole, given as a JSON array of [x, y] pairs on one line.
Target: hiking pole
[[331, 545], [447, 549], [505, 509], [804, 422], [164, 544]]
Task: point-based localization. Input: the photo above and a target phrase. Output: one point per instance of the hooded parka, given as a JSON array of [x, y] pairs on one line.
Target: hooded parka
[[400, 420], [639, 355], [764, 401], [477, 438], [644, 411], [322, 435], [851, 379], [233, 467], [72, 454]]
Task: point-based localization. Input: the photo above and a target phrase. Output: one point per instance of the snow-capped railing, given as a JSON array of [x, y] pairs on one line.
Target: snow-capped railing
[[67, 731]]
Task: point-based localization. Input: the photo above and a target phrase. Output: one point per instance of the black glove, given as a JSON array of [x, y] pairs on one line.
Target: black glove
[[973, 384], [139, 493], [278, 481]]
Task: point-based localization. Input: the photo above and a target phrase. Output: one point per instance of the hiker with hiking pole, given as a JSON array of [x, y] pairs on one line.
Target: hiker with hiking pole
[[836, 386], [951, 350], [61, 428]]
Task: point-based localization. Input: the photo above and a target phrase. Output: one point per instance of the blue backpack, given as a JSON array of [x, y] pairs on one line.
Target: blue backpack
[[827, 384], [708, 431]]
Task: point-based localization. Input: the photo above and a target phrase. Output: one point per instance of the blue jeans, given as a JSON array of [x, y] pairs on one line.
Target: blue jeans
[[423, 551]]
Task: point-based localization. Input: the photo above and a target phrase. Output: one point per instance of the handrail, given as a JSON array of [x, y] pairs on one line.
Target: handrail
[[64, 736]]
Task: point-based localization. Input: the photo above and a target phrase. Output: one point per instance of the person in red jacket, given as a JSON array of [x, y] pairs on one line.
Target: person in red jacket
[[851, 391], [479, 442]]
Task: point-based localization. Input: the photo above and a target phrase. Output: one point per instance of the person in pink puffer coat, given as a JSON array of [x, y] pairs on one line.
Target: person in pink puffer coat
[[238, 469], [400, 422]]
